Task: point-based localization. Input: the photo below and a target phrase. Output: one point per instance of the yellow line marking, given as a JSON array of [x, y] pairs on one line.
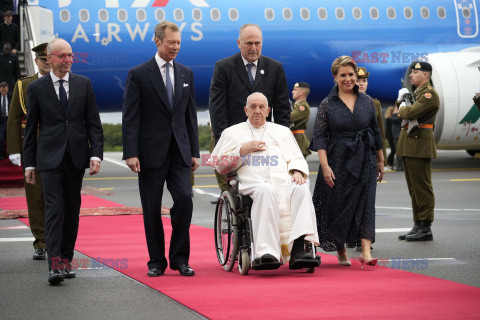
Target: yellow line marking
[[457, 169], [457, 180], [106, 188], [204, 175], [112, 178]]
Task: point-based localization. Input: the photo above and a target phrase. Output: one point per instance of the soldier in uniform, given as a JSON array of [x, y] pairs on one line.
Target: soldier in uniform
[[362, 83], [15, 132], [221, 180], [417, 149], [300, 115]]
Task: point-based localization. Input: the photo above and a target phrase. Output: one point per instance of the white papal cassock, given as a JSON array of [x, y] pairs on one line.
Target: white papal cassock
[[282, 211]]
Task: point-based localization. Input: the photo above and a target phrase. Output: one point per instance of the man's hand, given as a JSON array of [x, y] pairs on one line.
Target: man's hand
[[380, 171], [14, 51], [252, 146], [403, 104], [328, 176], [94, 167], [16, 159], [133, 164], [298, 178], [401, 93], [30, 176], [195, 164]]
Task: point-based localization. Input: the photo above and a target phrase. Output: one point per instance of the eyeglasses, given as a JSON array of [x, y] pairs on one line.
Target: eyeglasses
[[64, 56]]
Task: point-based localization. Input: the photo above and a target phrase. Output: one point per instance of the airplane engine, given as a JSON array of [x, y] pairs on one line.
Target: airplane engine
[[456, 77]]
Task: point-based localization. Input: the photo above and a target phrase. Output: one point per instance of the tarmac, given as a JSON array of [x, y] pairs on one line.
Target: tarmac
[[103, 293]]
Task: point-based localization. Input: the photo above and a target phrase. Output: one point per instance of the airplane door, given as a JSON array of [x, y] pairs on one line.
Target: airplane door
[[467, 18]]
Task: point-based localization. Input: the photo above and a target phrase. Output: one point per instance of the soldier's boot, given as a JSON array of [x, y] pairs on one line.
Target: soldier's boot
[[413, 231], [424, 233]]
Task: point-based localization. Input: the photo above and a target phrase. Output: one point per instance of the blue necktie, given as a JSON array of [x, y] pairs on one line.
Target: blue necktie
[[249, 71], [168, 84], [63, 96]]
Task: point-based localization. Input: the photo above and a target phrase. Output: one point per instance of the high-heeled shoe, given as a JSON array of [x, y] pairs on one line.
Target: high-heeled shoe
[[371, 262], [347, 262]]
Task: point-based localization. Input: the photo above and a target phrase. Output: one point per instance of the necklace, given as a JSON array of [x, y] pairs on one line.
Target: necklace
[[253, 136]]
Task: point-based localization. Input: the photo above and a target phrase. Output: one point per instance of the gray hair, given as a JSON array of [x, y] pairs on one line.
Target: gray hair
[[52, 43], [253, 95], [245, 26], [162, 26]]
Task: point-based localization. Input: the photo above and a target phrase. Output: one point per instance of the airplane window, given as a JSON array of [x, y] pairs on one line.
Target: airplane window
[[233, 14], [287, 14], [197, 14], [322, 14], [269, 14], [178, 14], [84, 15], [441, 12], [466, 13], [339, 13], [391, 13], [374, 13], [357, 13], [122, 15], [65, 15], [425, 12], [141, 15], [159, 14], [215, 14], [305, 13], [103, 15], [408, 13]]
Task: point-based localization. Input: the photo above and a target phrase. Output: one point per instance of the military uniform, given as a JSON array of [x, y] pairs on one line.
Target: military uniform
[[221, 180], [378, 110], [299, 118], [15, 131], [417, 150]]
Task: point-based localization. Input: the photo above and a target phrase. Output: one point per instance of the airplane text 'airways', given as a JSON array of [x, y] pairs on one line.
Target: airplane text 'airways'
[[106, 33]]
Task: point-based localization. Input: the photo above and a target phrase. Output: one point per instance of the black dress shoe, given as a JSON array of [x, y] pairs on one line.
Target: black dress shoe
[[184, 270], [39, 254], [155, 272], [266, 262], [413, 231], [68, 273], [55, 277]]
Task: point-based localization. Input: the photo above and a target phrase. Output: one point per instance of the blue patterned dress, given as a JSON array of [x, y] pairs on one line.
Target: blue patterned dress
[[346, 212]]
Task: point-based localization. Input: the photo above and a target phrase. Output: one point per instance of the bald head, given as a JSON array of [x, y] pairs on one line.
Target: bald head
[[59, 54]]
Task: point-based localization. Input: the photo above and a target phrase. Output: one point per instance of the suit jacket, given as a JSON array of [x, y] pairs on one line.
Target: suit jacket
[[230, 87], [9, 102], [9, 69], [80, 128], [17, 115], [148, 122]]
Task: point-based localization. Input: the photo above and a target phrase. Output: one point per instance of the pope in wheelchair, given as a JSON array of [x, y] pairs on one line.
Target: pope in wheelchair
[[273, 172]]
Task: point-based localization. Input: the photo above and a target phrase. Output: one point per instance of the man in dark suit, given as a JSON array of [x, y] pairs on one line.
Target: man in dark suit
[[9, 66], [160, 143], [5, 99], [236, 77], [62, 107], [10, 33]]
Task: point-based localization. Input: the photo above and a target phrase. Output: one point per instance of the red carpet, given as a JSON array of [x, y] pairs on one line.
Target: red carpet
[[88, 201], [10, 175], [332, 292]]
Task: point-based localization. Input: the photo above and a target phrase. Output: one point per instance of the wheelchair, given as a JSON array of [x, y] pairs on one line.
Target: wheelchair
[[233, 231]]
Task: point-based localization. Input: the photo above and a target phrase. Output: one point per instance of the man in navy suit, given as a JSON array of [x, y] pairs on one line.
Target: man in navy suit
[[160, 143], [5, 98], [62, 109]]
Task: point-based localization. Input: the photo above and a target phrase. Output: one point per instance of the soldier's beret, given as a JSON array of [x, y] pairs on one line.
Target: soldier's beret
[[41, 49], [301, 85], [420, 65], [362, 72]]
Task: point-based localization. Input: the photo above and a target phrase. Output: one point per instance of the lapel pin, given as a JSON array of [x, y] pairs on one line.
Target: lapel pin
[[262, 72]]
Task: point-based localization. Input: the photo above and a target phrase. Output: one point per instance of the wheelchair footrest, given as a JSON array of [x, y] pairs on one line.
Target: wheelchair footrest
[[304, 263]]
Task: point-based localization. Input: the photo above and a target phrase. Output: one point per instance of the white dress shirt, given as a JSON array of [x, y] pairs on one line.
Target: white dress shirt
[[163, 70], [254, 67]]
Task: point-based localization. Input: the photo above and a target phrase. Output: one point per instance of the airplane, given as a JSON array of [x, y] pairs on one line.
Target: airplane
[[111, 36]]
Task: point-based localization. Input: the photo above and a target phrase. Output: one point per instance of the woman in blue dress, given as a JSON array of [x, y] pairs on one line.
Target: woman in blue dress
[[349, 146]]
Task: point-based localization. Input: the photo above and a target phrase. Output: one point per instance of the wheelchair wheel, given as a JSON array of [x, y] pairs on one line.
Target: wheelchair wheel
[[310, 270], [226, 243], [244, 262]]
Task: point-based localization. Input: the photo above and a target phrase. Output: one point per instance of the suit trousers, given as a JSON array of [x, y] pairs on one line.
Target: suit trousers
[[151, 181], [418, 173], [61, 189], [36, 210]]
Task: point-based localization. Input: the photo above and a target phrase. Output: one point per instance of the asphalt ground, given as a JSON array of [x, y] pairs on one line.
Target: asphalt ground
[[103, 293]]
